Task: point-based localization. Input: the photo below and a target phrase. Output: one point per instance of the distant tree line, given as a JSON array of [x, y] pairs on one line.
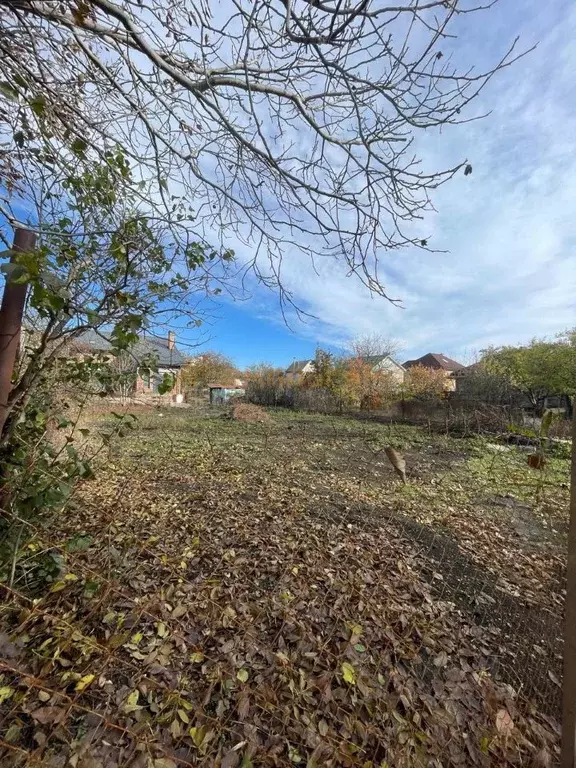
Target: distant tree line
[[538, 370], [508, 375], [339, 382]]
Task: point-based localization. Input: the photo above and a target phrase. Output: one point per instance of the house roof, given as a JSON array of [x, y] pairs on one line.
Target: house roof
[[376, 359], [465, 370], [434, 360], [145, 346], [298, 366]]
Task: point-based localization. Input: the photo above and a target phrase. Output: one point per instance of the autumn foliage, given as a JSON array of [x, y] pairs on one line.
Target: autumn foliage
[[336, 383], [424, 382], [208, 368], [265, 385], [369, 388]]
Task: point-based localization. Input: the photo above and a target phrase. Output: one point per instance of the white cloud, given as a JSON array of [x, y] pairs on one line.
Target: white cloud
[[509, 228]]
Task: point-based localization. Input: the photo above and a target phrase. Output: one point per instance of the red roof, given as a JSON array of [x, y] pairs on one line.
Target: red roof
[[435, 360]]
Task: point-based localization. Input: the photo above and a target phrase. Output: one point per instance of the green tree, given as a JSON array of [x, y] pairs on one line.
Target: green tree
[[330, 373], [541, 368], [102, 265]]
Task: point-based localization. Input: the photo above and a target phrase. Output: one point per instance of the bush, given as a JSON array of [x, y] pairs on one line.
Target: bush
[[46, 454], [267, 386], [424, 383], [288, 395], [317, 400]]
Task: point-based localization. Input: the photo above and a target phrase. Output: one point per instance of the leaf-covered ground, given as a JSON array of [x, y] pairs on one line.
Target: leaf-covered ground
[[270, 594]]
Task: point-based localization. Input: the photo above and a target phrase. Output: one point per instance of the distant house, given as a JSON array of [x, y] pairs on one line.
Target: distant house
[[385, 364], [377, 363], [163, 350], [298, 369], [437, 361]]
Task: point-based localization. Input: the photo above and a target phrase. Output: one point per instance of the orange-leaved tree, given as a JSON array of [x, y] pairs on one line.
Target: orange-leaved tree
[[208, 368], [368, 387], [420, 381]]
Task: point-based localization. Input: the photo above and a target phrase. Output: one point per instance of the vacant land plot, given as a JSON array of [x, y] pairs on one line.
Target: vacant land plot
[[235, 593]]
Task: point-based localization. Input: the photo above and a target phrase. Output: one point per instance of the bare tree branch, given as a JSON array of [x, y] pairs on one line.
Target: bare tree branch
[[373, 345], [288, 124]]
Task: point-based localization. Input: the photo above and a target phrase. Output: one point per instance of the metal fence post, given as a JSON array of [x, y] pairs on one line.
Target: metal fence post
[[11, 313], [569, 683]]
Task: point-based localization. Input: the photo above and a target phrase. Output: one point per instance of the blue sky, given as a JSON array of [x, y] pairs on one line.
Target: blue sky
[[507, 232], [509, 229]]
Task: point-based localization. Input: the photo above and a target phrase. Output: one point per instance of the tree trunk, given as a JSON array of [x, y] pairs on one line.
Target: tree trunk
[[11, 314], [569, 682]]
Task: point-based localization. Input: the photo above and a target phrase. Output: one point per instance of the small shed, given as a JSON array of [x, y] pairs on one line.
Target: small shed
[[220, 393]]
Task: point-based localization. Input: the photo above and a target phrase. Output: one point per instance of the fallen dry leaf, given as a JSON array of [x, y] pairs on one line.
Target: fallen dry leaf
[[47, 715], [231, 759], [363, 612], [504, 723], [397, 461]]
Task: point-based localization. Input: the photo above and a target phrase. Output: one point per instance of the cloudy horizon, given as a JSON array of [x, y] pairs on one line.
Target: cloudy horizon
[[505, 271]]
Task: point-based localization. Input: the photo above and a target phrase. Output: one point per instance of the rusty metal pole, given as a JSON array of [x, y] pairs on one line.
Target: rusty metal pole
[[11, 314], [569, 682]]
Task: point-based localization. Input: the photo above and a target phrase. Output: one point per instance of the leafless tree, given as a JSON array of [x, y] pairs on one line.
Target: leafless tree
[[283, 123], [373, 345]]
